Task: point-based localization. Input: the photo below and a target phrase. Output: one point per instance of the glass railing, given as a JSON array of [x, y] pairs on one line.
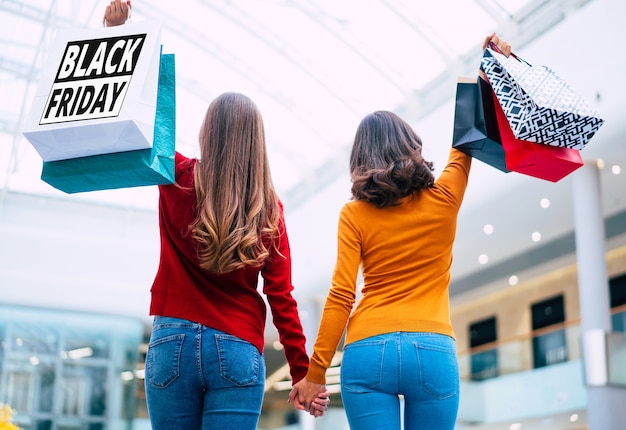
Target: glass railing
[[66, 369], [616, 347], [552, 345]]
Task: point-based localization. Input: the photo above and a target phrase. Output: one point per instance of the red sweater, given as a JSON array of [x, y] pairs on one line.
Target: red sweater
[[228, 302]]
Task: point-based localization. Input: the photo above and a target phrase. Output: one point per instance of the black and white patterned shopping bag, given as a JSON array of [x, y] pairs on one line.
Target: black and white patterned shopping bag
[[539, 105]]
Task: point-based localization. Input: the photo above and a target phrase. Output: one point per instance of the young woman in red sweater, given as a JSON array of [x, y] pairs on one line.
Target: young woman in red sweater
[[222, 228]]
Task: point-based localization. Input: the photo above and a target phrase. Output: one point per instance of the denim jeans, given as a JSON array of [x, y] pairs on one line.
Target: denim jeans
[[422, 367], [201, 378]]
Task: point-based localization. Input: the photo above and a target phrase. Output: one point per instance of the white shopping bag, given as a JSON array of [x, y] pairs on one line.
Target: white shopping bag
[[539, 105], [97, 93]]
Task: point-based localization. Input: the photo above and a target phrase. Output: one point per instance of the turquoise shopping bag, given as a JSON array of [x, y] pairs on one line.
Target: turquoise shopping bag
[[151, 166]]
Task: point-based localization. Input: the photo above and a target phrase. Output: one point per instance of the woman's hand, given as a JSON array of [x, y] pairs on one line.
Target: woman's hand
[[117, 13], [502, 45], [309, 396], [320, 404]]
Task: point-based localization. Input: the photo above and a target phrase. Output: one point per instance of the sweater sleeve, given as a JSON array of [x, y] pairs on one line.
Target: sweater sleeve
[[278, 289], [340, 299], [454, 178]]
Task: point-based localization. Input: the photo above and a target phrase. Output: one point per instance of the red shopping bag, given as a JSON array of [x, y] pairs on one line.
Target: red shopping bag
[[551, 163]]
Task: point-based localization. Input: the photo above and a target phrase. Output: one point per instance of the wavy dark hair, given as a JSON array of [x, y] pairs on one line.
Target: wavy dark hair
[[238, 210], [386, 162]]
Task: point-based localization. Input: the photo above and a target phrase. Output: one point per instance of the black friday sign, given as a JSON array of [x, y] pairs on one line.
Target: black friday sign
[[97, 92], [92, 79]]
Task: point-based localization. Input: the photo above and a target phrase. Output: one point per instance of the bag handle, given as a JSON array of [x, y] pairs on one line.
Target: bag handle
[[494, 47]]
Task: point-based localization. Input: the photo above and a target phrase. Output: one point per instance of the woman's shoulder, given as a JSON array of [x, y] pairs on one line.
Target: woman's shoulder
[[182, 161], [183, 172], [184, 169], [357, 208]]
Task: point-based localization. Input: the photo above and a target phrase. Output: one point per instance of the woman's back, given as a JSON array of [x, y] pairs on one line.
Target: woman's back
[[405, 254]]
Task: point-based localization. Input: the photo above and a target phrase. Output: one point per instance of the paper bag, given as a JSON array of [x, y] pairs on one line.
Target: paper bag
[[551, 163], [539, 105], [151, 166], [97, 93], [475, 126]]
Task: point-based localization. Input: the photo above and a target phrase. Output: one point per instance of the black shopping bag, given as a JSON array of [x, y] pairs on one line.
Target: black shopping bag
[[475, 125]]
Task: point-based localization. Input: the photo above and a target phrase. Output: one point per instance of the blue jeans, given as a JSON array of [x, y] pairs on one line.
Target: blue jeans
[[423, 367], [201, 378]]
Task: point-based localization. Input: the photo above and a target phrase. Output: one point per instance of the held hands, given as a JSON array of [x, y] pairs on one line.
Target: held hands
[[309, 396], [117, 13]]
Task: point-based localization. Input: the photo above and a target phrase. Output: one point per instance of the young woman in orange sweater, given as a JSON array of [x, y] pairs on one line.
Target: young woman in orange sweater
[[399, 229]]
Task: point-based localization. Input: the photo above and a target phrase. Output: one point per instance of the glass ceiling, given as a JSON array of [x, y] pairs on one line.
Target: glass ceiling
[[314, 67]]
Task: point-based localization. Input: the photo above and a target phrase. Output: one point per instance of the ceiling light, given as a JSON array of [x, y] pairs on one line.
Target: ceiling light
[[536, 236], [488, 229], [616, 170], [513, 280], [78, 353], [573, 418], [483, 258], [515, 426], [545, 203]]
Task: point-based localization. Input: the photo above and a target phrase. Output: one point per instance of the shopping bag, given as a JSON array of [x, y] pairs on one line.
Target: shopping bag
[[151, 166], [539, 105], [97, 93], [475, 126], [551, 163]]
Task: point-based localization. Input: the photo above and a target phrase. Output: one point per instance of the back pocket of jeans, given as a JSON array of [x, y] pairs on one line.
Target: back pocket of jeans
[[439, 370], [239, 360], [163, 360], [364, 362]]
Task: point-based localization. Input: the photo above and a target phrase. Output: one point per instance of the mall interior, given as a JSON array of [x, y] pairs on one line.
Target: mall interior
[[538, 288]]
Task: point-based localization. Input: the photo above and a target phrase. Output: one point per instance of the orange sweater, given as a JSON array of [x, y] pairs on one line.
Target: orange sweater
[[405, 254]]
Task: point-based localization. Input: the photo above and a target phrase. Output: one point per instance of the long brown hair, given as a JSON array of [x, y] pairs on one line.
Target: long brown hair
[[386, 162], [238, 212]]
